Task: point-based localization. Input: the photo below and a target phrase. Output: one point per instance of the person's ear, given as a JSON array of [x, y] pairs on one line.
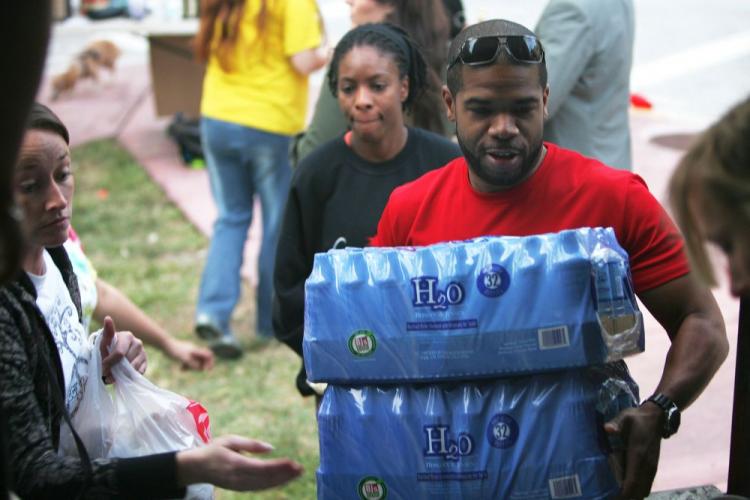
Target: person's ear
[[545, 97], [404, 90], [450, 103]]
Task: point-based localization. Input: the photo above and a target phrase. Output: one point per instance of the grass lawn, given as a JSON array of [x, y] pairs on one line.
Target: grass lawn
[[141, 243]]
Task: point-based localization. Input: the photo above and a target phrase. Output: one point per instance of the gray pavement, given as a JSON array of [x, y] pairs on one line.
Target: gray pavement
[[692, 61]]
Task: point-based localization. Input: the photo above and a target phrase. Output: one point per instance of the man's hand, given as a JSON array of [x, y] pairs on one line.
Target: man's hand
[[126, 345], [689, 314], [640, 429]]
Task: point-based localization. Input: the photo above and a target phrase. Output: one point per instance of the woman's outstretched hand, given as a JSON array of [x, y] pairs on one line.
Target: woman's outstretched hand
[[223, 463]]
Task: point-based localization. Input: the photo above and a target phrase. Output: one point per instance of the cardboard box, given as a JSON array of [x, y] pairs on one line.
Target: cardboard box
[[177, 78]]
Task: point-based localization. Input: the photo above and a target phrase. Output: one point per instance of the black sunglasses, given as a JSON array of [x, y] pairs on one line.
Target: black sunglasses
[[476, 51]]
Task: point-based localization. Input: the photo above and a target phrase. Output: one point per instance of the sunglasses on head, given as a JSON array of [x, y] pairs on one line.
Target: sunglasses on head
[[476, 51]]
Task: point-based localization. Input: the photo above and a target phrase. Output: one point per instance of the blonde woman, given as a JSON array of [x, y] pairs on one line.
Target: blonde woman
[[710, 195]]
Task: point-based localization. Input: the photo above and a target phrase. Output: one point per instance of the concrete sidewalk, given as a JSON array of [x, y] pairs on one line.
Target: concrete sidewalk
[[122, 107]]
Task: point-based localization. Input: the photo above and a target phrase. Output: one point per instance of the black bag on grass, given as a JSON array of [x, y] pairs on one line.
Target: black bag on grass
[[186, 133]]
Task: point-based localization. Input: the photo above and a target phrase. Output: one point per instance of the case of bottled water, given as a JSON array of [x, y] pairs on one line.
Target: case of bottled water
[[527, 437], [491, 306]]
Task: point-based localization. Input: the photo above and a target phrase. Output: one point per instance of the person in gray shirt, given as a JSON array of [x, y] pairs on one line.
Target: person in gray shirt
[[589, 51]]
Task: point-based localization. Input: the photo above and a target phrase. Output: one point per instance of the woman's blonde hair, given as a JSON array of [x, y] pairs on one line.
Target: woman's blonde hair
[[717, 166]]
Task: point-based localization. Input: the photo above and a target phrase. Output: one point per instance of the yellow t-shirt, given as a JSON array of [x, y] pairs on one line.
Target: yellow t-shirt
[[263, 90]]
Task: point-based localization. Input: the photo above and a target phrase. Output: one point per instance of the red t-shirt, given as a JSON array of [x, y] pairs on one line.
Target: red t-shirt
[[567, 191]]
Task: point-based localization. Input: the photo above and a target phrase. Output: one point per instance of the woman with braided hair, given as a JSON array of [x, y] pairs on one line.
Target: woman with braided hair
[[427, 23], [338, 192]]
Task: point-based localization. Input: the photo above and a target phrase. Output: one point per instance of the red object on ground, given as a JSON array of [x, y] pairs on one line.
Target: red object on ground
[[640, 102]]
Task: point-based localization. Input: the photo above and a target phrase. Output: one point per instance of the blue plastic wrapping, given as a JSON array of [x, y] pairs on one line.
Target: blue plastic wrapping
[[529, 437], [492, 306]]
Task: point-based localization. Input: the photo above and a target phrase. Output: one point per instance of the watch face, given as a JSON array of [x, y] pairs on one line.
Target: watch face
[[671, 414], [673, 421]]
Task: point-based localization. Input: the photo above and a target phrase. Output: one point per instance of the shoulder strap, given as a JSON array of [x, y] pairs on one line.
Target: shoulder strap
[[60, 403]]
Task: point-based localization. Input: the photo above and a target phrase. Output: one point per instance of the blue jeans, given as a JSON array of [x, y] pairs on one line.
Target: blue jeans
[[241, 162]]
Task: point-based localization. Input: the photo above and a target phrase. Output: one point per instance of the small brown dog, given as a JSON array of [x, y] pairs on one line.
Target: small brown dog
[[98, 54]]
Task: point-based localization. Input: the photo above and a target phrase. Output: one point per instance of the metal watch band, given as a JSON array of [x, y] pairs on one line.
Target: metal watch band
[[671, 413]]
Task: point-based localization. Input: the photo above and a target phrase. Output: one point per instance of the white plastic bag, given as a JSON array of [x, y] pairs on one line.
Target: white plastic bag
[[94, 414], [138, 419]]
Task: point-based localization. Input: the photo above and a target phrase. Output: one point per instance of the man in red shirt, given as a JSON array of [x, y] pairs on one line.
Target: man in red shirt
[[510, 182]]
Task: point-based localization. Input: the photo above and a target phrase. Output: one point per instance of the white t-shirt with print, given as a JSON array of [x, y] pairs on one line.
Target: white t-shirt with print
[[53, 299]]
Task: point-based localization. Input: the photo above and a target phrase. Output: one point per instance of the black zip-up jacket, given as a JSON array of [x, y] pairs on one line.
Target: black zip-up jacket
[[28, 361]]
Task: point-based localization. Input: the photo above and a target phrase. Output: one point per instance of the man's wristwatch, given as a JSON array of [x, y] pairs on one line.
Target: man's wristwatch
[[671, 414]]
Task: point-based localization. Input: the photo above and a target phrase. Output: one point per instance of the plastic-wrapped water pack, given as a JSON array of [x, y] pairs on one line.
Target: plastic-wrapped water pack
[[485, 307], [529, 437]]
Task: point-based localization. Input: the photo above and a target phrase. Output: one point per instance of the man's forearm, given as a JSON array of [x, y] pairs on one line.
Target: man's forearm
[[698, 349]]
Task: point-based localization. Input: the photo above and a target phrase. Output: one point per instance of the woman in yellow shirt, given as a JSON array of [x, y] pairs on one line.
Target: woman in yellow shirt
[[259, 53]]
